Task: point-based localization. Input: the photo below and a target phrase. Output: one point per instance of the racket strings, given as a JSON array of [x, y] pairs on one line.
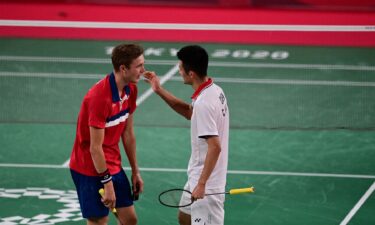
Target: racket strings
[[171, 198]]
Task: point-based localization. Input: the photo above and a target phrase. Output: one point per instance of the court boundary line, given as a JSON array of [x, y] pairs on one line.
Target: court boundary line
[[288, 82], [211, 63], [234, 80], [358, 205], [187, 26], [146, 94], [178, 170]]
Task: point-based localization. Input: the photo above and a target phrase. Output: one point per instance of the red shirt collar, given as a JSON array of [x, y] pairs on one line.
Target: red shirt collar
[[201, 88]]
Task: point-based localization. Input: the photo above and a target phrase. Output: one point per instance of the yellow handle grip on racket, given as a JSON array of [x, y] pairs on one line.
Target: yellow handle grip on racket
[[241, 190], [101, 192]]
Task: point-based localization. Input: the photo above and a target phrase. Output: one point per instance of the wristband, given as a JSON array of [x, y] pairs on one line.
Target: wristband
[[105, 177]]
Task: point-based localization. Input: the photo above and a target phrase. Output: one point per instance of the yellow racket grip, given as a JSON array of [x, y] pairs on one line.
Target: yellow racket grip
[[101, 192], [241, 190]]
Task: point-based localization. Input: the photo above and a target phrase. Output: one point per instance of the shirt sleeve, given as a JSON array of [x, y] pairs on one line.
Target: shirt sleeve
[[206, 123], [98, 112]]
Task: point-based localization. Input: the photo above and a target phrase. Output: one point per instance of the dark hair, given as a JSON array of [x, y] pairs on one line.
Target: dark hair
[[194, 58], [124, 54]]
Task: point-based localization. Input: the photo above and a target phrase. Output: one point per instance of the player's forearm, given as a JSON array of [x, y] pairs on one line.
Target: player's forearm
[[96, 149], [98, 158], [175, 103], [130, 150], [129, 143]]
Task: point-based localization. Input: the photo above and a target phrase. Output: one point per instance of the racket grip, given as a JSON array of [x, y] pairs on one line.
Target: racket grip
[[241, 190], [101, 192]]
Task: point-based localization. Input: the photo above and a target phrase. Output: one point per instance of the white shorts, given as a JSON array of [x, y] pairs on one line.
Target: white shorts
[[209, 210]]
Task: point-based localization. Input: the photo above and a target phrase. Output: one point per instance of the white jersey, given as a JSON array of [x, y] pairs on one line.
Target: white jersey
[[210, 118]]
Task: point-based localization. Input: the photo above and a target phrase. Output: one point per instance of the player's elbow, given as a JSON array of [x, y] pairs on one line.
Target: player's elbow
[[94, 149], [217, 149], [214, 144], [187, 116], [128, 137]]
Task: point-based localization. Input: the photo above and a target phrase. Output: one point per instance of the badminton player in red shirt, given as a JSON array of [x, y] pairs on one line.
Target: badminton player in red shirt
[[106, 115]]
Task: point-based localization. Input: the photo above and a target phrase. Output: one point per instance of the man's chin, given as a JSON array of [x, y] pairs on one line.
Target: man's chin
[[135, 81]]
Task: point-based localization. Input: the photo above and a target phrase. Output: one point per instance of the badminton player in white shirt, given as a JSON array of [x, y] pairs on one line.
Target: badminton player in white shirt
[[209, 117]]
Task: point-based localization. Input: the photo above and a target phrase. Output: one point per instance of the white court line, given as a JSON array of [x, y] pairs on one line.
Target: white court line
[[52, 75], [358, 205], [39, 166], [178, 170], [288, 82], [74, 60], [216, 79], [66, 163], [146, 94], [188, 26], [211, 63]]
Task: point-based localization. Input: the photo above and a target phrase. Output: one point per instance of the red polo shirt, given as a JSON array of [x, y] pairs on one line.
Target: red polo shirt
[[102, 108]]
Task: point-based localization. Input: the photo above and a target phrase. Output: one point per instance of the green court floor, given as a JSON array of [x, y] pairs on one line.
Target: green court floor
[[302, 131]]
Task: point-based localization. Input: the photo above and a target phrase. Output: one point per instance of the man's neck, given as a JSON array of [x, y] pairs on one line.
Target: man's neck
[[198, 82], [120, 82]]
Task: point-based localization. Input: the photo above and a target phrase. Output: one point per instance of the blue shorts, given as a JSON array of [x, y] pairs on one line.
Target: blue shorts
[[89, 198]]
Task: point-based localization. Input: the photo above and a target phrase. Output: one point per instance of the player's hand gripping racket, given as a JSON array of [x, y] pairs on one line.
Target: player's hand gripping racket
[[114, 211], [171, 197]]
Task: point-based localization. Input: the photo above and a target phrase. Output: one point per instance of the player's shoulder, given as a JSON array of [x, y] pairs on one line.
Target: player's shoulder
[[100, 90], [211, 97], [213, 91], [217, 87], [101, 84]]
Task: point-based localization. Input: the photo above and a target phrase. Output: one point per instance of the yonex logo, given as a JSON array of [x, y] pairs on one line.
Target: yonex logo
[[197, 220]]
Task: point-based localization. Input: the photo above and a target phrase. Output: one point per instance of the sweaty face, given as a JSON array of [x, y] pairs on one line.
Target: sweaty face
[[135, 70]]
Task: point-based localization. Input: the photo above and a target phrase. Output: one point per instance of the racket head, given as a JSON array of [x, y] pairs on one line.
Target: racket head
[[172, 197]]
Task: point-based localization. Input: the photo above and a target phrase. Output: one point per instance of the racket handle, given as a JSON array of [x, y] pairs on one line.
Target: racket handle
[[241, 190], [101, 192]]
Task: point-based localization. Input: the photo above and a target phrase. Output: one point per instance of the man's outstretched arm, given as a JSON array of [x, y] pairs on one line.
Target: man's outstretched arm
[[181, 107]]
